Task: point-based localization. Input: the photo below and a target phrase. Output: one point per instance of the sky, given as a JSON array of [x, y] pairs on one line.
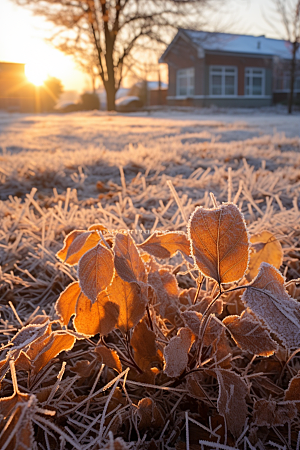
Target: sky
[[22, 38]]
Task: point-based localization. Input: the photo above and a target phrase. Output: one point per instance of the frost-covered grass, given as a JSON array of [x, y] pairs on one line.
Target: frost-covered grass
[[59, 172]]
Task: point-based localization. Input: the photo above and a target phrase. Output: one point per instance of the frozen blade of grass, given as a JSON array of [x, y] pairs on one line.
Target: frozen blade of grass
[[40, 420], [187, 431], [116, 381]]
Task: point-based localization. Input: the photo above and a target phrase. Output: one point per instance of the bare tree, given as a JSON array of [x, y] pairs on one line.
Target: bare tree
[[289, 12], [108, 31]]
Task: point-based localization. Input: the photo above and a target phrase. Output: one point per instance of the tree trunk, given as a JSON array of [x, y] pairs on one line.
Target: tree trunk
[[110, 96], [293, 69]]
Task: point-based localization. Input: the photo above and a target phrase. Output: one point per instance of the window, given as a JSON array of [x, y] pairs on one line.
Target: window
[[185, 82], [254, 82], [223, 81]]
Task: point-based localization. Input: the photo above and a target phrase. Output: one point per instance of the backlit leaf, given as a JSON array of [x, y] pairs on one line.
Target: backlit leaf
[[66, 303], [232, 400], [130, 300], [109, 357], [293, 390], [176, 352], [267, 413], [97, 227], [58, 342], [219, 242], [128, 263], [166, 245], [266, 248], [76, 244], [93, 318], [165, 286], [250, 335], [269, 300], [95, 271], [146, 352], [149, 414]]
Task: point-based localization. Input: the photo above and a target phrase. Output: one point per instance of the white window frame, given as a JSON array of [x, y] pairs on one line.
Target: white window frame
[[221, 70], [249, 73], [188, 73]]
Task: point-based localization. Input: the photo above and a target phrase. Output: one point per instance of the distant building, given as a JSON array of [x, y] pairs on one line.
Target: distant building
[[16, 93], [228, 70]]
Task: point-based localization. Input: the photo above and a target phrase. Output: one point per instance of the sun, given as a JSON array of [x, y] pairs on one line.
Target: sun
[[35, 73]]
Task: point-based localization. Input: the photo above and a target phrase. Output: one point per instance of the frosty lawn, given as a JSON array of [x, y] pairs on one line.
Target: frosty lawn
[[141, 173]]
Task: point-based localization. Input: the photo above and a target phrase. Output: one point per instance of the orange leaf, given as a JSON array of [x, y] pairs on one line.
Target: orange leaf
[[76, 244], [165, 286], [266, 248], [177, 351], [97, 227], [232, 400], [93, 318], [149, 414], [166, 245], [109, 357], [130, 300], [269, 300], [66, 302], [95, 271], [146, 353], [293, 390], [59, 342], [220, 243], [128, 263], [250, 335]]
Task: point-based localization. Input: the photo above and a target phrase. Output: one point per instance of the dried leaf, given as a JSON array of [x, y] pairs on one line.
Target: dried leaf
[[59, 342], [97, 227], [76, 244], [93, 318], [146, 352], [165, 286], [83, 368], [128, 263], [166, 245], [130, 300], [220, 346], [250, 335], [177, 351], [204, 303], [232, 400], [266, 248], [149, 414], [192, 319], [219, 241], [28, 334], [269, 300], [267, 413], [18, 433], [109, 357], [66, 303], [95, 271], [293, 391], [194, 383]]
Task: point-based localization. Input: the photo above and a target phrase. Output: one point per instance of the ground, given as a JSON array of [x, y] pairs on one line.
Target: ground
[[60, 172]]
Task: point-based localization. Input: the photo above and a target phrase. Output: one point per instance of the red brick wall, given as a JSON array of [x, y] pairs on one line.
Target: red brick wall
[[157, 97], [182, 56], [241, 62]]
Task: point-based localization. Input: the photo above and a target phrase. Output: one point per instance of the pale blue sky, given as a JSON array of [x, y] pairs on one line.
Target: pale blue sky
[[21, 36]]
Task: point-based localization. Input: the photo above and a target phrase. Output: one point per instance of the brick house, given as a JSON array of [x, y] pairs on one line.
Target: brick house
[[16, 93], [227, 69]]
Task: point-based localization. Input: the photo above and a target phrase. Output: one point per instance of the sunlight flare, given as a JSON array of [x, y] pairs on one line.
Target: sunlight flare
[[35, 73]]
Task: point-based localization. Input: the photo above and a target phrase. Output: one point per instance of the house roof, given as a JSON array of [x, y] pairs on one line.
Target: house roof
[[235, 43]]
